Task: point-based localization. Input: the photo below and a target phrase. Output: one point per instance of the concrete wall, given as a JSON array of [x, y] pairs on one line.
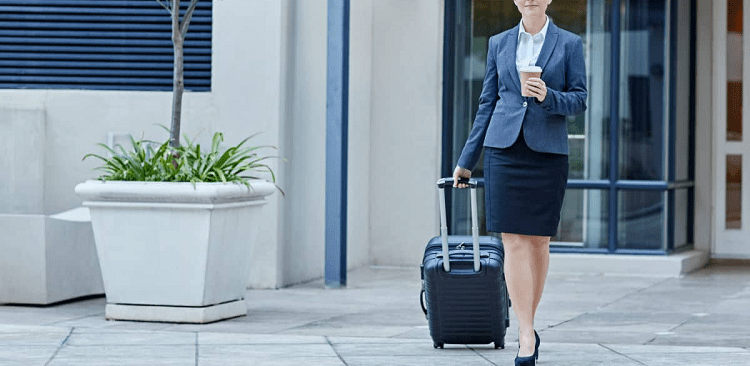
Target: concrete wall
[[77, 120], [247, 74], [269, 76], [22, 131], [303, 221], [405, 128], [277, 81], [304, 205], [360, 96], [245, 99]]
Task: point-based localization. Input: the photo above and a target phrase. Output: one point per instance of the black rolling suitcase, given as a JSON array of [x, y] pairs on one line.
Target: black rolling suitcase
[[464, 295]]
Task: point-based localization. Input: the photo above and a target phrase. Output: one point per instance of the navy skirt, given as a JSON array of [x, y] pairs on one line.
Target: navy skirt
[[524, 189]]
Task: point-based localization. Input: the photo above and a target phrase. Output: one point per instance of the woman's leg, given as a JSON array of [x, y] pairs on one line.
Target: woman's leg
[[519, 276], [541, 266], [525, 273]]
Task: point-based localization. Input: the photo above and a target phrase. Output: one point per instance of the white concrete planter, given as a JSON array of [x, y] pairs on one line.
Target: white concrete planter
[[171, 251]]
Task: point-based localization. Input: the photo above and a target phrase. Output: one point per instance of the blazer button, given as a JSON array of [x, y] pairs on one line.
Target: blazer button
[[524, 104]]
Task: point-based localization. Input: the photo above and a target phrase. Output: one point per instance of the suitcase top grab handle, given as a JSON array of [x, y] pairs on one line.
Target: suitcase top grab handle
[[448, 182]]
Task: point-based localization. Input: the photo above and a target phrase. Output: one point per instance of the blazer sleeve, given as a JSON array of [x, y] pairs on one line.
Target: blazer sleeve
[[572, 100], [487, 100]]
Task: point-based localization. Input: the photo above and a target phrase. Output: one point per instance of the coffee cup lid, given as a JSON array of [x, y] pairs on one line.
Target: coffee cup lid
[[531, 69]]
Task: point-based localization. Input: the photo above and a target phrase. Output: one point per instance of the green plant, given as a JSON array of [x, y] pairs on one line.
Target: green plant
[[185, 163]]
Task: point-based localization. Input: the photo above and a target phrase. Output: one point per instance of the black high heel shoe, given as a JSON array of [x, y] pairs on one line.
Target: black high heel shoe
[[529, 360], [525, 361]]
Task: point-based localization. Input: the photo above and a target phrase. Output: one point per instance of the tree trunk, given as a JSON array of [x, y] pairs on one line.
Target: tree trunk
[[178, 83]]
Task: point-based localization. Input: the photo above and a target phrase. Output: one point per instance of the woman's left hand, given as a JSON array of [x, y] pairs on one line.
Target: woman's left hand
[[537, 88]]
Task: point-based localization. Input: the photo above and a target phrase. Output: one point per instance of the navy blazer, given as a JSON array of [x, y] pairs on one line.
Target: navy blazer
[[502, 109]]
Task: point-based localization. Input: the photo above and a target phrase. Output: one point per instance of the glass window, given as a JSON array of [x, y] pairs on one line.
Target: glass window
[[640, 220], [584, 219], [682, 226], [734, 70], [734, 192], [682, 98], [588, 133], [642, 89]]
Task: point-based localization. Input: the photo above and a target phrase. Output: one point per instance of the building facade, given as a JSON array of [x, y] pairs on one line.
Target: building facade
[[657, 160]]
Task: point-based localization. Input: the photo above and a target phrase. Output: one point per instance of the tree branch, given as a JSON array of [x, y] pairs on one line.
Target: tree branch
[[178, 77], [165, 6], [188, 16]]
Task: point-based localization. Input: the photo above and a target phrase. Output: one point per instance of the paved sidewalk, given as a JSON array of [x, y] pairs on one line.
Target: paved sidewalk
[[701, 319]]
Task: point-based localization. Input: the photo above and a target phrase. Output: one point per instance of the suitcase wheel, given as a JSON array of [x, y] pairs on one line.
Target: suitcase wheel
[[437, 345], [499, 345]]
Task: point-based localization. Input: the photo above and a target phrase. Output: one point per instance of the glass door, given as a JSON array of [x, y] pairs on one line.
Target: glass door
[[732, 149]]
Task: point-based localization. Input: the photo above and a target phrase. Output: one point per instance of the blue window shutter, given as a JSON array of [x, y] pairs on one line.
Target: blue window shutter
[[99, 45]]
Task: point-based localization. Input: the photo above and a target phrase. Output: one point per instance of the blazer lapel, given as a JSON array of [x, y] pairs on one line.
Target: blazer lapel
[[511, 48], [548, 46]]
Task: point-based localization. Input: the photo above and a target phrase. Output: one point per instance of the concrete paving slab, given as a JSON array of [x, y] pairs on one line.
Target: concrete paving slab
[[130, 338], [594, 337], [347, 331], [227, 360], [426, 349], [732, 306], [629, 349], [691, 337], [14, 355], [381, 341], [30, 318], [421, 332], [16, 328], [125, 356], [680, 359], [731, 330], [442, 360], [33, 339], [651, 323], [562, 354], [49, 315], [363, 324], [265, 351], [618, 327], [655, 304], [255, 322], [210, 338], [583, 320], [98, 321]]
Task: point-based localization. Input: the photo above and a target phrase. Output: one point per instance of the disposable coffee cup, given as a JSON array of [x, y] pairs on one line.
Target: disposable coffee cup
[[526, 73]]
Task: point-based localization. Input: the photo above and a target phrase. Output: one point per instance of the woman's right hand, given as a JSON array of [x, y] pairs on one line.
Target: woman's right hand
[[458, 173]]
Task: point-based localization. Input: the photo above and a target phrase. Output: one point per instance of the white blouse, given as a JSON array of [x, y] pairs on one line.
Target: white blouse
[[529, 46]]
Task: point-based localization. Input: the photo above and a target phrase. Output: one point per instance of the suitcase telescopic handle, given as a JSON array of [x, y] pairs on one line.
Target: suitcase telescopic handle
[[445, 182], [448, 182]]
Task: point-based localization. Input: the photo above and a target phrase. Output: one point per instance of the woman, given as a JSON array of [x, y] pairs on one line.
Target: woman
[[526, 156]]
